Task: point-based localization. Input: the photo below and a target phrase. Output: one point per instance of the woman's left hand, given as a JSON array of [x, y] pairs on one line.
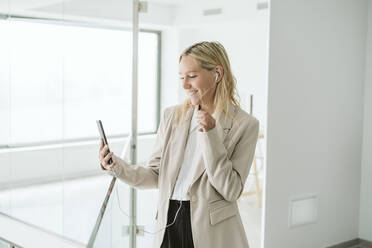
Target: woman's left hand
[[205, 120]]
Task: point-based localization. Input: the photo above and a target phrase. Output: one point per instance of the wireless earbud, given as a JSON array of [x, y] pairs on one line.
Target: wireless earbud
[[205, 92]]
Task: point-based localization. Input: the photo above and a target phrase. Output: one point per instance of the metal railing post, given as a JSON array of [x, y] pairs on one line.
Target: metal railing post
[[133, 136]]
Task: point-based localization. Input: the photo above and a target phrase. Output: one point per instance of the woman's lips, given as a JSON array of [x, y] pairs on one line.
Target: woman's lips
[[191, 93]]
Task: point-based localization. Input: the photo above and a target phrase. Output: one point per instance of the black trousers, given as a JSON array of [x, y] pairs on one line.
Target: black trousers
[[179, 234]]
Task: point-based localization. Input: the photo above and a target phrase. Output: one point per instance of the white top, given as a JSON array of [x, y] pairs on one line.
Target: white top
[[190, 161]]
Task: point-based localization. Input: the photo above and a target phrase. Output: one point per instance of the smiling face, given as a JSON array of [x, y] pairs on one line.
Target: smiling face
[[196, 81]]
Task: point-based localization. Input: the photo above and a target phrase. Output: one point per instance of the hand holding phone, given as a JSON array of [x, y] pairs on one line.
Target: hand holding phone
[[105, 156]]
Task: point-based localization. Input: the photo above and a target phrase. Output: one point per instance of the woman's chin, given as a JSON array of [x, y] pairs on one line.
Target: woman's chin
[[194, 101]]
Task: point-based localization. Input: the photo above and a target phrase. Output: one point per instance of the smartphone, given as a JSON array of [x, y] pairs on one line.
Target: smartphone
[[103, 136], [94, 233]]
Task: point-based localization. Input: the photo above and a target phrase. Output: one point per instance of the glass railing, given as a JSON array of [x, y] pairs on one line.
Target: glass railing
[[69, 208], [114, 232], [4, 244], [80, 212], [76, 216], [18, 233], [65, 66]]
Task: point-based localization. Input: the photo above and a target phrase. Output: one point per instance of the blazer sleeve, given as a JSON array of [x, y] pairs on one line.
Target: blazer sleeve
[[228, 175], [143, 177]]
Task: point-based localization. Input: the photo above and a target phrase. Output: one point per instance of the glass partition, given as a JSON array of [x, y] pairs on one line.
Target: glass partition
[[5, 158], [36, 88], [113, 230], [64, 65], [4, 244]]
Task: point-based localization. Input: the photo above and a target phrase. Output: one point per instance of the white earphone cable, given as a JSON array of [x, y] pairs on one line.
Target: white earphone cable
[[153, 233]]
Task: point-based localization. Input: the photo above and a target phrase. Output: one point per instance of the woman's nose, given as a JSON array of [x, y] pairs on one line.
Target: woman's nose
[[185, 84]]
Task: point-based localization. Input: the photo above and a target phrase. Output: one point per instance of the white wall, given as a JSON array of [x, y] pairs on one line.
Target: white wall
[[365, 217], [315, 112], [169, 67]]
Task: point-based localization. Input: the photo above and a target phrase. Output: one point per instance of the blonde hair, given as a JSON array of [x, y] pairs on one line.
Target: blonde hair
[[209, 55]]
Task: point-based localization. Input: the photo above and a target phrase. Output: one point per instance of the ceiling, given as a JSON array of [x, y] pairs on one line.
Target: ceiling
[[161, 12]]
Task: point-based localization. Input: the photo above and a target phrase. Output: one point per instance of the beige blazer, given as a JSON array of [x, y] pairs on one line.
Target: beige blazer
[[227, 154]]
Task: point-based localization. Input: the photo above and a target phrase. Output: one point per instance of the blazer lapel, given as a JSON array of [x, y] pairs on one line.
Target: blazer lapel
[[180, 135], [223, 125]]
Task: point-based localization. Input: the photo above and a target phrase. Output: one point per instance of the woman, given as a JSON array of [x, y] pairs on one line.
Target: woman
[[203, 152]]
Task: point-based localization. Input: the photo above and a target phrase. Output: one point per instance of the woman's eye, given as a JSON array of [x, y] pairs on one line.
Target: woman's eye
[[194, 76]]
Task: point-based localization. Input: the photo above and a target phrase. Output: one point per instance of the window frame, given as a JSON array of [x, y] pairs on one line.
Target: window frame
[[54, 143]]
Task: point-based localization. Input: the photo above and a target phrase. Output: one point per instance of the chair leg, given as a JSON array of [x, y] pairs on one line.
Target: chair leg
[[258, 190]]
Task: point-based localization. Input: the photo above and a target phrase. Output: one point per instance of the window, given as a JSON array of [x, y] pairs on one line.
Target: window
[[57, 80]]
